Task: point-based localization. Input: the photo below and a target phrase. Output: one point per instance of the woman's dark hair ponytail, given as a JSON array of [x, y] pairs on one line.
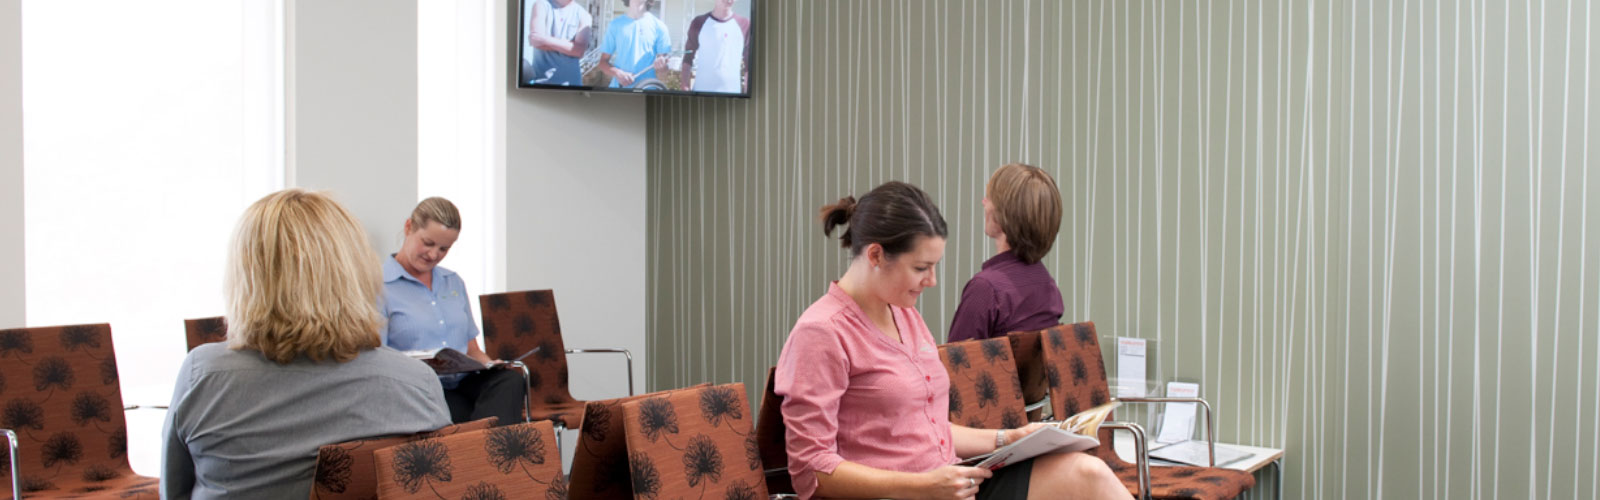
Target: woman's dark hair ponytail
[[838, 214], [892, 215]]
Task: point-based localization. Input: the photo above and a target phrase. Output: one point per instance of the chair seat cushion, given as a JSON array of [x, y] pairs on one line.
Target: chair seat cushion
[[126, 485], [1187, 483]]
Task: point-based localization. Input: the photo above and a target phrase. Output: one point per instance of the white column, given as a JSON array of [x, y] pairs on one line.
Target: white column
[[351, 107], [12, 268]]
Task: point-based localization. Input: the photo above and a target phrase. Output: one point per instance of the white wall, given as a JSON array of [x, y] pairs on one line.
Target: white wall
[[352, 107], [12, 271], [575, 223]]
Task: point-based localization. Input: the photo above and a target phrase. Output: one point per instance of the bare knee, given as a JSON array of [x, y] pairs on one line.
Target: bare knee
[[1073, 475]]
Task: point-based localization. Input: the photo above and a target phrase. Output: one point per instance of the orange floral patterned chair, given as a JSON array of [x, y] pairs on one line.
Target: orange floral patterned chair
[[985, 392], [515, 323], [205, 331], [514, 461], [346, 471], [1076, 375], [60, 395], [600, 462], [694, 442]]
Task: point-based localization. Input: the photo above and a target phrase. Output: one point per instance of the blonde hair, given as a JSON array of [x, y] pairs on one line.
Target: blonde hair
[[1027, 205], [435, 209], [302, 279]]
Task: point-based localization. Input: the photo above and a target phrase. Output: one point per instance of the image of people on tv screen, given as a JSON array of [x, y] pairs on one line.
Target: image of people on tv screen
[[559, 33], [717, 51], [636, 45]]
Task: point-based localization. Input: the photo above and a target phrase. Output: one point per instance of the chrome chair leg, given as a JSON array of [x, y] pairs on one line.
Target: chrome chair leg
[[14, 447], [527, 390]]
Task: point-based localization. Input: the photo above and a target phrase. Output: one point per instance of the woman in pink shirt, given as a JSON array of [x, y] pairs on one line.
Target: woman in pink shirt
[[866, 400]]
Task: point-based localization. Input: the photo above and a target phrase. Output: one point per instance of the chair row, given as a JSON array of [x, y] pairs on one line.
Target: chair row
[[695, 441], [514, 323]]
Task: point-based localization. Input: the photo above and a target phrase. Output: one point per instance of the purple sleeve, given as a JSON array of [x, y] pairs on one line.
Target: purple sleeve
[[975, 315]]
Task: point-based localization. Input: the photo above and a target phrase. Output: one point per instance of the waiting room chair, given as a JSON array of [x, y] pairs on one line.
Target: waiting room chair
[[600, 460], [205, 330], [693, 443], [1030, 370], [515, 323], [513, 461], [771, 436], [1076, 375], [62, 416], [985, 392], [348, 470]]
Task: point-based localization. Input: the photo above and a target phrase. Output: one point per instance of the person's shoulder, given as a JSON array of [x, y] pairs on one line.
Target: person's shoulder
[[218, 356]]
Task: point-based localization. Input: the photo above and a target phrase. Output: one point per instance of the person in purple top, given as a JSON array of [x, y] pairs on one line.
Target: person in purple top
[[1014, 292]]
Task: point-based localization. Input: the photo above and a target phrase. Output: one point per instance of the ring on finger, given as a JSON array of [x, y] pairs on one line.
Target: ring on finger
[[972, 482]]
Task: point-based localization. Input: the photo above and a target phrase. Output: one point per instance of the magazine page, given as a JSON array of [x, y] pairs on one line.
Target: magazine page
[[1045, 440]]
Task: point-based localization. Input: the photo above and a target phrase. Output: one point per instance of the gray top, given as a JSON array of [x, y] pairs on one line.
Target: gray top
[[243, 427]]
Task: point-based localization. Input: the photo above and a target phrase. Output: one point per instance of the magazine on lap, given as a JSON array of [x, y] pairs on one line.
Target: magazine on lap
[[1076, 433]]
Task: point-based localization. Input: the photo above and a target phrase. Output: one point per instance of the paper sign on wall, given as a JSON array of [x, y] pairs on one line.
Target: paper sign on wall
[[1130, 367]]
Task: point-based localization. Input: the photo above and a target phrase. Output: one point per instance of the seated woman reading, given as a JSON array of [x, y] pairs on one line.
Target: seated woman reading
[[866, 399]]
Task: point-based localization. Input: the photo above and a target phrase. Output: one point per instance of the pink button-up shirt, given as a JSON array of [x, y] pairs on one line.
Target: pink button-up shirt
[[852, 393]]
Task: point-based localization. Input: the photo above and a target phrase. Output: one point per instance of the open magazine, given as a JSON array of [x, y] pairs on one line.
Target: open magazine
[[446, 361], [1076, 433]]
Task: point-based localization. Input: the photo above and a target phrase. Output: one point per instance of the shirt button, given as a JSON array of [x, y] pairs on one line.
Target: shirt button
[[433, 303], [441, 321], [941, 442], [930, 399], [928, 377]]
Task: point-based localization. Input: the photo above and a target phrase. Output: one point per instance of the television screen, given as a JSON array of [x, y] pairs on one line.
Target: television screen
[[700, 47]]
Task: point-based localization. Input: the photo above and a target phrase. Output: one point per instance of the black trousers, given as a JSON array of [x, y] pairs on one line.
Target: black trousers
[[489, 393]]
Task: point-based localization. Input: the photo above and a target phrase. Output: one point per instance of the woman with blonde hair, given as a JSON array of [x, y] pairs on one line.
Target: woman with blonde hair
[[1014, 291], [304, 364]]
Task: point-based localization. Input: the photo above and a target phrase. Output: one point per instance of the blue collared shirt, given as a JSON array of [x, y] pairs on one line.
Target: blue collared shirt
[[423, 319]]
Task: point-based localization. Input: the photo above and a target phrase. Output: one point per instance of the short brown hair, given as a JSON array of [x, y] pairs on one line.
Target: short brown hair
[[302, 280], [1027, 205], [892, 215]]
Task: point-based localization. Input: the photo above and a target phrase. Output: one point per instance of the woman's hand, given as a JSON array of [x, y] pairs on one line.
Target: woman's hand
[[1013, 435], [952, 482]]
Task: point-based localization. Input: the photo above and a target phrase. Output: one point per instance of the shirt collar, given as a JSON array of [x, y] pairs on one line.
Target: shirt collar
[[1001, 258], [392, 270]]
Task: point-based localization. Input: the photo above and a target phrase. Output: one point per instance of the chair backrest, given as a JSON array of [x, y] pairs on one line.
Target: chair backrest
[[517, 322], [694, 442], [984, 389], [346, 470], [1030, 364], [1076, 374], [62, 397], [771, 436], [205, 330], [600, 462], [514, 461]]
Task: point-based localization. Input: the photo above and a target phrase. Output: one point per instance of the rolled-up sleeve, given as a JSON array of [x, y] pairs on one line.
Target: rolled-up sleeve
[[813, 374]]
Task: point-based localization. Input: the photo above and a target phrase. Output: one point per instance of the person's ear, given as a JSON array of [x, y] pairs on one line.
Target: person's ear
[[408, 227], [875, 255]]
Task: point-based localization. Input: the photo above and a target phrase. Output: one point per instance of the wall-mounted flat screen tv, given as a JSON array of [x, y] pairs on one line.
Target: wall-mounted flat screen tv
[[694, 47]]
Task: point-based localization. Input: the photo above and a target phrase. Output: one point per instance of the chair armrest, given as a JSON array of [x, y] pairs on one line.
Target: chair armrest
[[1036, 405], [1211, 424], [137, 407], [527, 388], [624, 352], [14, 447], [1141, 453]]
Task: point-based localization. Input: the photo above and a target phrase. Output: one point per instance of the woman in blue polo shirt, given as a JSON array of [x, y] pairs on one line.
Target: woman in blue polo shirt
[[427, 308]]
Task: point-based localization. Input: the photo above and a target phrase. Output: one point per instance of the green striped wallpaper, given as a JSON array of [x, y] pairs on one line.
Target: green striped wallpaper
[[1364, 227]]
